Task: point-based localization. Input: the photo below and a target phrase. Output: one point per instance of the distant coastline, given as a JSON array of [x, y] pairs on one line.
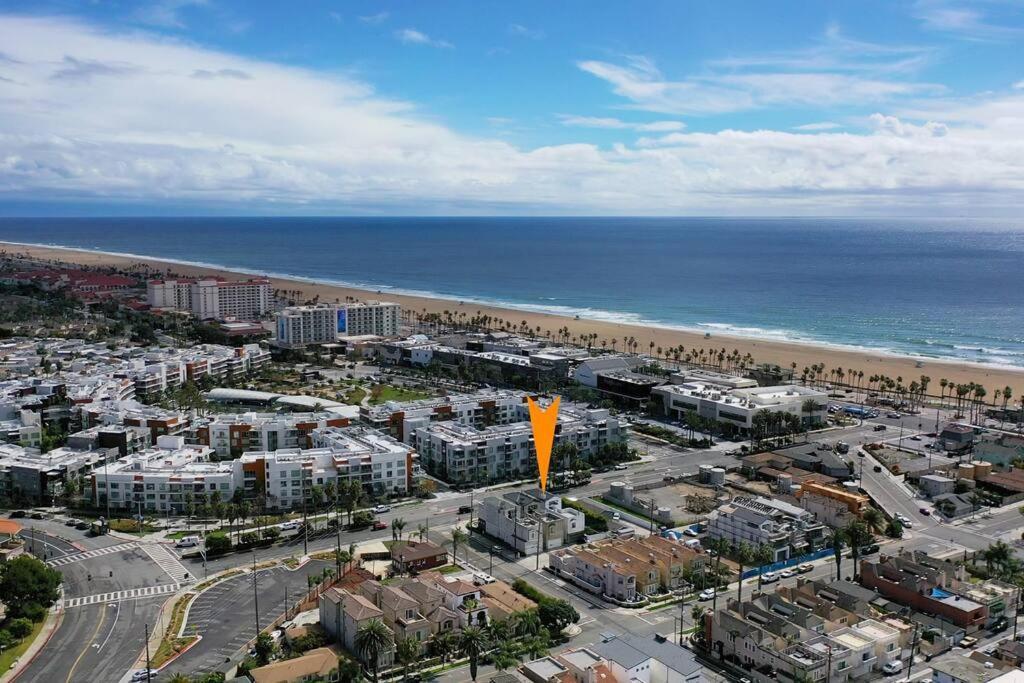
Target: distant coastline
[[785, 353]]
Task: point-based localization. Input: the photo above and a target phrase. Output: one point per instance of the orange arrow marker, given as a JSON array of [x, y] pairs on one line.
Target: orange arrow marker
[[543, 423]]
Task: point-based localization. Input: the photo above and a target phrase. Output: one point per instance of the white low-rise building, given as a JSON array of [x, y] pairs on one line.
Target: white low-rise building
[[211, 298], [530, 521], [787, 529], [737, 407]]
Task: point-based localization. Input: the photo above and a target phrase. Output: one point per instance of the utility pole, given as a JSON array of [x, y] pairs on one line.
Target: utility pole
[[305, 525], [149, 672], [652, 514], [913, 646], [828, 665], [255, 594], [337, 528], [286, 601], [1016, 613]]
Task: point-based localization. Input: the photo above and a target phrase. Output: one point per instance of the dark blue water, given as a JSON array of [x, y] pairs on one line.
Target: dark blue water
[[952, 289]]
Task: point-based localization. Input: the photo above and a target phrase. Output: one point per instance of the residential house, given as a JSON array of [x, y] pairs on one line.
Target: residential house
[[320, 664], [415, 556]]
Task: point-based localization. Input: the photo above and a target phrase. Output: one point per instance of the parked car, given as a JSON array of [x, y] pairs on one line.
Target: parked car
[[769, 577], [787, 573], [379, 525], [968, 642], [71, 522], [879, 428], [893, 667], [915, 437], [805, 567], [706, 594], [36, 515], [925, 511], [616, 516], [288, 526], [378, 509], [465, 509], [143, 675], [689, 531], [668, 478], [187, 542], [877, 468], [893, 415], [869, 549], [82, 526], [619, 467]]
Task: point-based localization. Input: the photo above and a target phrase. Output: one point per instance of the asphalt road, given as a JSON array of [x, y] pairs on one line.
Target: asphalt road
[[100, 641]]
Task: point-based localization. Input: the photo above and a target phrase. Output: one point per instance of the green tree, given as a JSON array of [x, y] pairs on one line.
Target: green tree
[[407, 652], [874, 519], [27, 586], [265, 648], [349, 671], [894, 529], [858, 535], [217, 543], [837, 549], [458, 536], [20, 627], [372, 640], [557, 614], [744, 556], [472, 642], [763, 555]]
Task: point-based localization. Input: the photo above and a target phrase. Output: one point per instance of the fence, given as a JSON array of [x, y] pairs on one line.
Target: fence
[[776, 566]]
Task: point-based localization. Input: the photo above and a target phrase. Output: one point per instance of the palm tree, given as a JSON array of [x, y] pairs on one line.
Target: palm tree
[[397, 526], [407, 652], [422, 530], [443, 643], [458, 536], [763, 555], [349, 671], [472, 642], [372, 640], [874, 519], [529, 623], [837, 547], [743, 555], [858, 535]]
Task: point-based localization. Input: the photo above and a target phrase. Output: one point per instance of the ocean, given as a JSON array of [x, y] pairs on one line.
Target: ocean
[[949, 289]]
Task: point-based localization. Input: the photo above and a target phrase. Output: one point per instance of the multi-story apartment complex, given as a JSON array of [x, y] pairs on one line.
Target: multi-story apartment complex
[[298, 326], [380, 318], [480, 409], [158, 478], [530, 521], [27, 476], [212, 298], [737, 407], [230, 435], [626, 569], [462, 453], [787, 529]]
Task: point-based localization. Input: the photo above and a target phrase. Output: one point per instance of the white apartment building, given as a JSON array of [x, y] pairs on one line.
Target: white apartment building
[[464, 453], [230, 435], [787, 529], [738, 406], [163, 478], [212, 298], [382, 465], [298, 326], [159, 478], [530, 521], [380, 318], [480, 409]]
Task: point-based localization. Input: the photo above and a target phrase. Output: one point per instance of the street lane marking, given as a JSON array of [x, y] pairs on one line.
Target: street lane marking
[[99, 623], [117, 596], [78, 557], [167, 561]]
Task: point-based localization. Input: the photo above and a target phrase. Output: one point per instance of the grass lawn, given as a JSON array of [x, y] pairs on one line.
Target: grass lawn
[[8, 656], [354, 396], [450, 569], [178, 535], [382, 394]]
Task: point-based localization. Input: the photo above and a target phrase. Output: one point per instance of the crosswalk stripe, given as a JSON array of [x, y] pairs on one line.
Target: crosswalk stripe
[[118, 596], [167, 561], [88, 554]]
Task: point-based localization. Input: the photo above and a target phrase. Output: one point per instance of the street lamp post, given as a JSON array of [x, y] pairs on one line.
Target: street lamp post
[[255, 594]]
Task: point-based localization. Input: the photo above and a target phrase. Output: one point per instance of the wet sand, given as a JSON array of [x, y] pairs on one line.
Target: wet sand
[[781, 353]]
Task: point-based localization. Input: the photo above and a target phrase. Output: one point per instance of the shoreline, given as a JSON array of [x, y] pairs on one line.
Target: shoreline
[[784, 353]]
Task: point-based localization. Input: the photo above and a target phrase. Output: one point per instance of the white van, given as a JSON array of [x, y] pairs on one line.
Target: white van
[[481, 579], [692, 543], [187, 542]]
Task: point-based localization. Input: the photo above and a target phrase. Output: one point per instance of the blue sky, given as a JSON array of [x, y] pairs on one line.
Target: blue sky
[[814, 108]]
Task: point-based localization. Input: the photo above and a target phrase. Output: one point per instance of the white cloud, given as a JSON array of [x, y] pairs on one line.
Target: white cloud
[[136, 124], [411, 36], [165, 13], [833, 70], [613, 123], [967, 20], [821, 125], [525, 32], [378, 18], [1019, 85]]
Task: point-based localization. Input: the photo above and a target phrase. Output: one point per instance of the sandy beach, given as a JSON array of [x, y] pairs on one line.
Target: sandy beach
[[782, 353]]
